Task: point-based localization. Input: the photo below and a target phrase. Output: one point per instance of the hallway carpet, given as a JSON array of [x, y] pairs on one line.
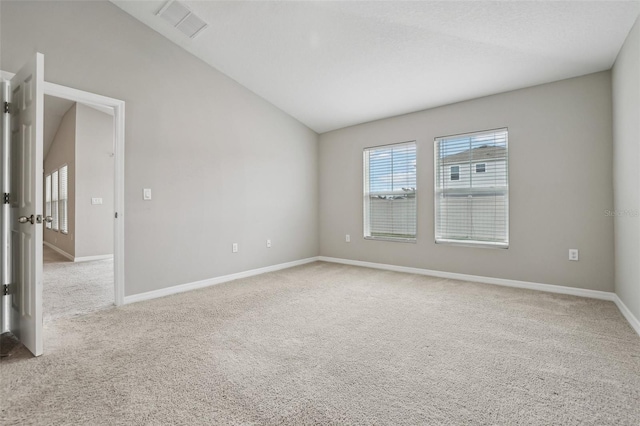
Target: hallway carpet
[[75, 288], [333, 344]]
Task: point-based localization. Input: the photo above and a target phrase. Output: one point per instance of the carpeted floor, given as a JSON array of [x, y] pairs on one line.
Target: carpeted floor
[[75, 288], [333, 344]]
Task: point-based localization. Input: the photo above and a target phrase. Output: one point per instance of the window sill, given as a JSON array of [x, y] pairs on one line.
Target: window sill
[[481, 244], [392, 239]]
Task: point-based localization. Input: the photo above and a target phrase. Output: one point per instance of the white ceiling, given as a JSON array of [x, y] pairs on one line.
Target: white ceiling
[[335, 64]]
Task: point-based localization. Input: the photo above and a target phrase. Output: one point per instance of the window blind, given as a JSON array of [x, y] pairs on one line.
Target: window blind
[[47, 196], [472, 188], [54, 200], [390, 192], [64, 195]]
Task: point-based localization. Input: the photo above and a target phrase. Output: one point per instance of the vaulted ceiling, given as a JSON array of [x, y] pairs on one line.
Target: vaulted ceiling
[[336, 64]]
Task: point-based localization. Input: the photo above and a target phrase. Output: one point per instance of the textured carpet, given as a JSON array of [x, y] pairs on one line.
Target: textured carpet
[[75, 288], [333, 344]]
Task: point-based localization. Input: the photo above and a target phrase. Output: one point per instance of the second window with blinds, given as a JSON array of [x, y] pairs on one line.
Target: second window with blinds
[[472, 189], [390, 192]]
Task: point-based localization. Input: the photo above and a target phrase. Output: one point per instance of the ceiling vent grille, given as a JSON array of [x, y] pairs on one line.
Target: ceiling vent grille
[[180, 17]]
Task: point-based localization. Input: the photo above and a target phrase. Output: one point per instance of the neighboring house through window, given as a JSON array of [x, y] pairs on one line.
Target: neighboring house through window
[[390, 192], [472, 208], [455, 172]]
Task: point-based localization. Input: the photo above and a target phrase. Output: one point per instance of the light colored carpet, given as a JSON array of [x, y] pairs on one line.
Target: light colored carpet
[[75, 288], [334, 344]]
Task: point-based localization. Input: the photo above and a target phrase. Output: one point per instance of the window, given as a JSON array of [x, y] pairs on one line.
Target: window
[[47, 192], [64, 195], [54, 200], [472, 209], [390, 192], [455, 172]]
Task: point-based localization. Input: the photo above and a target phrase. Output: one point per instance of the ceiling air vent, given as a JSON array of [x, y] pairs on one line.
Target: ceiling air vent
[[180, 17]]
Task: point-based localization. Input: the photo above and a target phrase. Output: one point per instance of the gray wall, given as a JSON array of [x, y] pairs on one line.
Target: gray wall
[[63, 151], [560, 170], [626, 161], [94, 179], [224, 165]]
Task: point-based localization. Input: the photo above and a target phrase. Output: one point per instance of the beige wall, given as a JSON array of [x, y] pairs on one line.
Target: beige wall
[[224, 165], [63, 152], [95, 179], [626, 161], [560, 171]]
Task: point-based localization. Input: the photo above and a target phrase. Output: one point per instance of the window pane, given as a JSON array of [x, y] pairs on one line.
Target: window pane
[[47, 191], [63, 200], [390, 191], [54, 200], [472, 208], [455, 173]]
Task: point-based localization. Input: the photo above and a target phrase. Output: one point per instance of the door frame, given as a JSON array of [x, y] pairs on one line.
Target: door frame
[[106, 104]]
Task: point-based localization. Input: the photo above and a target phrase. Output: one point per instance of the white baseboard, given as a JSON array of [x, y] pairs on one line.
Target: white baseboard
[[633, 321], [213, 281], [90, 258], [58, 250], [592, 294], [77, 259]]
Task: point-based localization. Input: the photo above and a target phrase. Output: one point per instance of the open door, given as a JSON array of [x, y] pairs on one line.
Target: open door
[[25, 197]]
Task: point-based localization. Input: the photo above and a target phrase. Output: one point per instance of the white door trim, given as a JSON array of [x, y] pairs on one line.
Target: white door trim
[[117, 106]]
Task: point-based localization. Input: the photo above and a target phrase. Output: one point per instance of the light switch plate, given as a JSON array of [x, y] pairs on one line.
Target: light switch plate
[[146, 194]]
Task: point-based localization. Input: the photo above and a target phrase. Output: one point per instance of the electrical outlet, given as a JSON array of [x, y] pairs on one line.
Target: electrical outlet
[[268, 243], [347, 238], [573, 254], [234, 248], [95, 201]]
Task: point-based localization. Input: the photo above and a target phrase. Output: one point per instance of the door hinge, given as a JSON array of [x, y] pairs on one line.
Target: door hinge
[[7, 107], [6, 289], [6, 198]]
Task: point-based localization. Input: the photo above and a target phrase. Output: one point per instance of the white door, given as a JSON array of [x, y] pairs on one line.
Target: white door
[[26, 112]]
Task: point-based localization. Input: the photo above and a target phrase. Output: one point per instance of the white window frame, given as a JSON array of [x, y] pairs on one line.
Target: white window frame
[[366, 195], [469, 242]]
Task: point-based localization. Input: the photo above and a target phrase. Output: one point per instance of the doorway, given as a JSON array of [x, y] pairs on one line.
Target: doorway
[[79, 180], [116, 108], [22, 144]]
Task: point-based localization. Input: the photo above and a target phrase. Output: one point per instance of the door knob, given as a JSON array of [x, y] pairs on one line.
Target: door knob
[[48, 219], [25, 219]]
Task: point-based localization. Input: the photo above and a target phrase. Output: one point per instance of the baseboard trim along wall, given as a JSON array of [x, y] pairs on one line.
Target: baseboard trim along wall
[[213, 281], [77, 259], [58, 250], [633, 321], [90, 258], [592, 294]]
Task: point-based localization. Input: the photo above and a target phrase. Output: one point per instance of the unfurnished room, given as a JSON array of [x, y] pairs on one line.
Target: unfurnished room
[[320, 212]]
